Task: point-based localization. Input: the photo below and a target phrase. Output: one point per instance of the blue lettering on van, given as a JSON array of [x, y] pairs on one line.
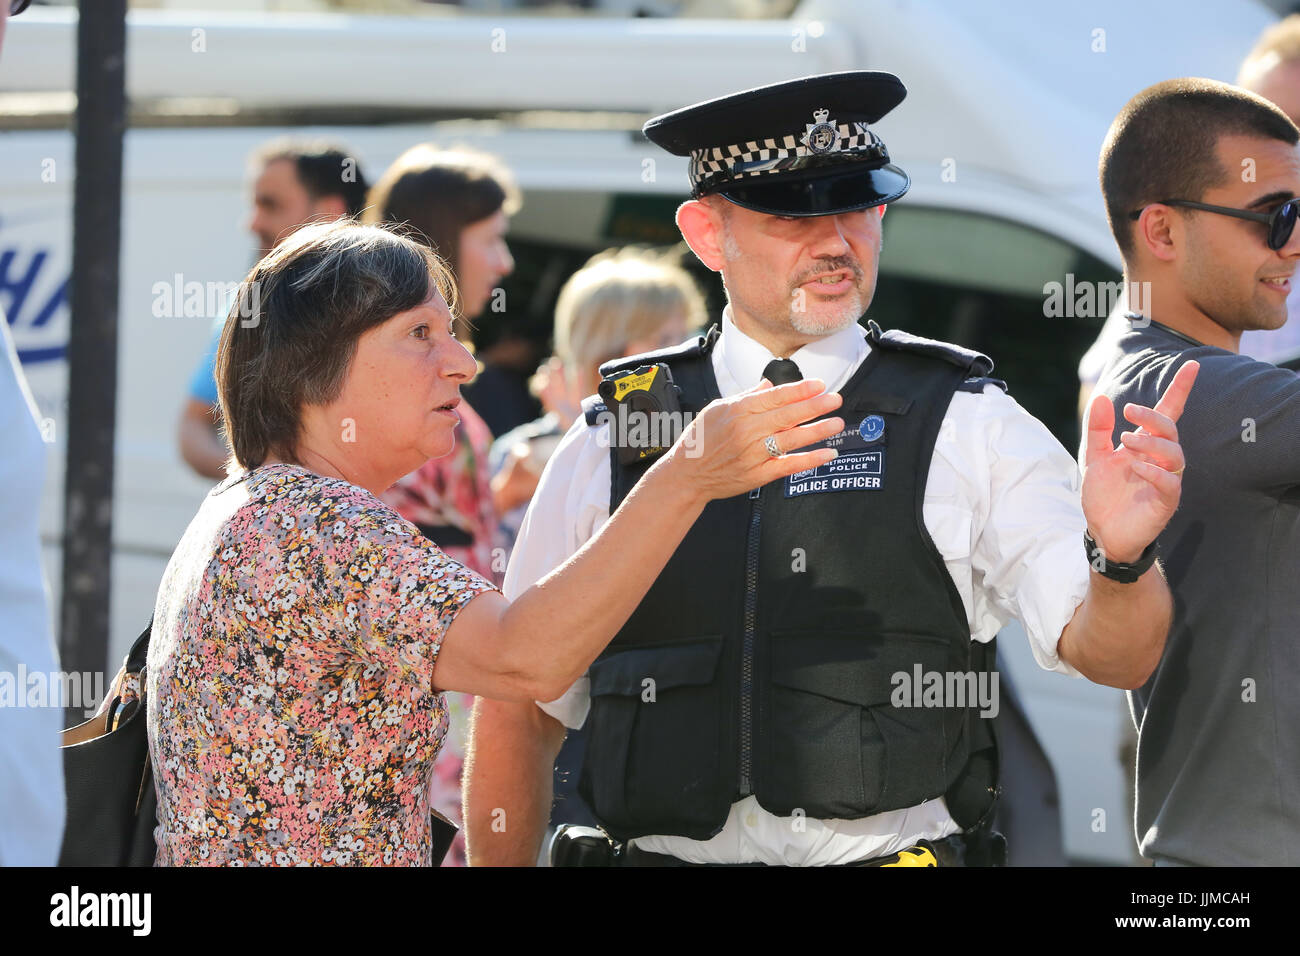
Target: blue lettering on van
[[26, 312]]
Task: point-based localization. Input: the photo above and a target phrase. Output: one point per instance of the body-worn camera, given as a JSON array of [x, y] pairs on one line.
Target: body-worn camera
[[645, 412]]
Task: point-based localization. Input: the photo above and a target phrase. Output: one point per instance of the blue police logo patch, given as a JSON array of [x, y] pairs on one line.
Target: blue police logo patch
[[872, 428]]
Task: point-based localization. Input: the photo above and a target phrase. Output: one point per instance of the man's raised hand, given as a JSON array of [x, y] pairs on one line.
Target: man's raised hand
[[1131, 491]]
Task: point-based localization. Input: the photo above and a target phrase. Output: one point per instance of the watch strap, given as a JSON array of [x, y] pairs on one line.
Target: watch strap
[[1118, 570]]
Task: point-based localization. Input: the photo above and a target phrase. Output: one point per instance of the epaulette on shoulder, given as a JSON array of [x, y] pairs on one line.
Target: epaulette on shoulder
[[976, 364], [592, 408], [700, 345], [976, 385]]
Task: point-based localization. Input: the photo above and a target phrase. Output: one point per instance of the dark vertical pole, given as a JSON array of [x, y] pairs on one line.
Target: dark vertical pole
[[92, 342]]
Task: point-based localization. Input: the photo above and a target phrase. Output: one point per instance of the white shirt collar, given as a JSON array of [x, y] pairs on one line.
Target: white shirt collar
[[738, 360]]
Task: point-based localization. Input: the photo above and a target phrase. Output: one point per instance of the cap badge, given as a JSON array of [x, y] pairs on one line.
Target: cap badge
[[821, 136]]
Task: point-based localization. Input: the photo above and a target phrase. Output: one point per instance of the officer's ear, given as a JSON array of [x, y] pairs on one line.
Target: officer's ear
[[702, 227]]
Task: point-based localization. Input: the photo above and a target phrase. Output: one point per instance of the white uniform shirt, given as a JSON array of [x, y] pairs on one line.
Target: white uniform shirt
[[1001, 503], [31, 765]]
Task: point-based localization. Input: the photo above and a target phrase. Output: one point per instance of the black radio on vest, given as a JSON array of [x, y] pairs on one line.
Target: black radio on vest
[[645, 412], [744, 672]]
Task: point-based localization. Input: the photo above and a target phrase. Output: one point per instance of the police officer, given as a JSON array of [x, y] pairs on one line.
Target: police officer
[[788, 691]]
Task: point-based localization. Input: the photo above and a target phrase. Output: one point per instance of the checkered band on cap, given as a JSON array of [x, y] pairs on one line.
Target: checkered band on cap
[[711, 168]]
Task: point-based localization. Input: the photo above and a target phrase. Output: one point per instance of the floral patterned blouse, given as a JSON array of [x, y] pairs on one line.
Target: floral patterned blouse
[[292, 714]]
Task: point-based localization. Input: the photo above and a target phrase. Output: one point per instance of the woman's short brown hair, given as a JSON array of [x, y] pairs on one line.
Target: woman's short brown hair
[[292, 331]]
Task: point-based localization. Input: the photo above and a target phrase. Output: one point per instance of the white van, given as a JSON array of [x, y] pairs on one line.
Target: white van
[[1007, 107]]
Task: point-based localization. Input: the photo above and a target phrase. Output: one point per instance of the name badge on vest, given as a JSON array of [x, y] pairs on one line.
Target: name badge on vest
[[859, 467]]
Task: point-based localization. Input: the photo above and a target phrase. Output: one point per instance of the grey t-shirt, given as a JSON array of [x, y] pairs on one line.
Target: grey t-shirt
[[1218, 768]]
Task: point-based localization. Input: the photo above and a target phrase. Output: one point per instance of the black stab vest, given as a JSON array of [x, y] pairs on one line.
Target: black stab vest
[[763, 660]]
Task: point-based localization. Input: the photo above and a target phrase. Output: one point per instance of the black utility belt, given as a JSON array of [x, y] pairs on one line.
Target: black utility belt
[[587, 846], [922, 853]]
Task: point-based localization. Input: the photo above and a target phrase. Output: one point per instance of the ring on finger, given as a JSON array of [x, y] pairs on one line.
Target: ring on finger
[[772, 448]]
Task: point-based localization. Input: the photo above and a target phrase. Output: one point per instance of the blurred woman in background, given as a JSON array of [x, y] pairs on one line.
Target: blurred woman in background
[[457, 202]]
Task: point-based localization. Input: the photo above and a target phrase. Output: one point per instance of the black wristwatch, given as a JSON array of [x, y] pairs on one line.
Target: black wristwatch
[[1118, 570]]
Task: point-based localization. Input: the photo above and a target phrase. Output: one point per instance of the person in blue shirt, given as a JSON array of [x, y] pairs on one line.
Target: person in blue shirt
[[297, 182]]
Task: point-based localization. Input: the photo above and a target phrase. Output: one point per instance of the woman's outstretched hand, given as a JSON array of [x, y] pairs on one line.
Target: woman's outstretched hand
[[723, 452], [536, 647]]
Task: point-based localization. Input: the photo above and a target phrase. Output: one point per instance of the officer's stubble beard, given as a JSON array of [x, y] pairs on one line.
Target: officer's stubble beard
[[848, 310]]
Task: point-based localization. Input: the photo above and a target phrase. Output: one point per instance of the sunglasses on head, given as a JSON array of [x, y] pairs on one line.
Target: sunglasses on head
[[1281, 221]]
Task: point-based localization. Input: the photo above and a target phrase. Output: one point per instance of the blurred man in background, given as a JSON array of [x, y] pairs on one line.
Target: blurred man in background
[[295, 183], [32, 802]]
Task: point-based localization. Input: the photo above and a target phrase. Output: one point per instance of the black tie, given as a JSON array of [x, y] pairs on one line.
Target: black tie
[[782, 372]]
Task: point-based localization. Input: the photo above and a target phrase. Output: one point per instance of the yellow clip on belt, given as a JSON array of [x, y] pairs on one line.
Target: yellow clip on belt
[[914, 856]]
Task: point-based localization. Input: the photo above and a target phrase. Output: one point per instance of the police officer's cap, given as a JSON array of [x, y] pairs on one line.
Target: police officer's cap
[[799, 148]]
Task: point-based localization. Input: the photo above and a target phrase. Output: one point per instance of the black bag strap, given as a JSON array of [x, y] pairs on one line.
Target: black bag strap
[[139, 652]]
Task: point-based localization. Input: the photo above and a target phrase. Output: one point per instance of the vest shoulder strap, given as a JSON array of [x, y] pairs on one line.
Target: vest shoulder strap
[[697, 347], [977, 384], [692, 374], [975, 364], [688, 363]]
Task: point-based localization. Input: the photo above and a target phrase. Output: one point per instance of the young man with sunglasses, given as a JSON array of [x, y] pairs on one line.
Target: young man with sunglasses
[[1201, 181]]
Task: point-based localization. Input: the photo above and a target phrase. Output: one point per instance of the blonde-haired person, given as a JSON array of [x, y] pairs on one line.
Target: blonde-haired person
[[305, 634], [621, 302]]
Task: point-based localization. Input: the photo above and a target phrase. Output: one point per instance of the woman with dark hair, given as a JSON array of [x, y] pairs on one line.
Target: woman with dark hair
[[456, 202], [304, 632], [460, 201]]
